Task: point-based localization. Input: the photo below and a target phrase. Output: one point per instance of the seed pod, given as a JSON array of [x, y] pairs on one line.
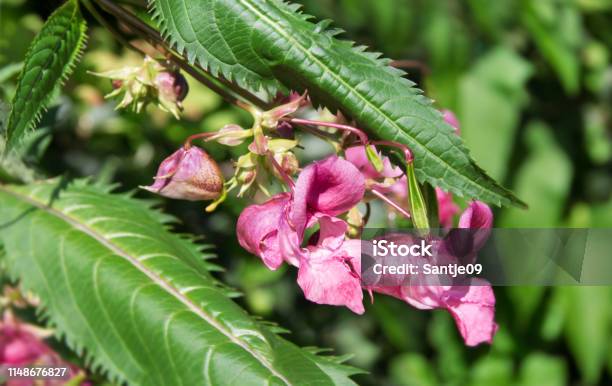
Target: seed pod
[[188, 174]]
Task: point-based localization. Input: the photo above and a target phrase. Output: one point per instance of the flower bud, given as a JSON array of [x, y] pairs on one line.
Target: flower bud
[[270, 118], [172, 85], [231, 135], [116, 83], [153, 81], [188, 174]]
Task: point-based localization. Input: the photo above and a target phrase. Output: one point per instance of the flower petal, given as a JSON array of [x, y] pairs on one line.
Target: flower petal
[[452, 120], [331, 186], [358, 157], [473, 308], [331, 232], [477, 215], [258, 227], [447, 209], [188, 174], [331, 277]]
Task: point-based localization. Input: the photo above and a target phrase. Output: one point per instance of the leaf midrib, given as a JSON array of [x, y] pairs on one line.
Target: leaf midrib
[[155, 278], [297, 44]]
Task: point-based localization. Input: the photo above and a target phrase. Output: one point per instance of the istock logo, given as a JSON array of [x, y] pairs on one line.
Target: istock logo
[[390, 248]]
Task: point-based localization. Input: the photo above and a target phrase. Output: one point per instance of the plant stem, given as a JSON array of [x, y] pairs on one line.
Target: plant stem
[[389, 201], [361, 134], [405, 149], [193, 137], [94, 12]]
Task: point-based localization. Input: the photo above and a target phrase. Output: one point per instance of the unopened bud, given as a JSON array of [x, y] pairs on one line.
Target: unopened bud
[[231, 135], [188, 174], [116, 83], [172, 85]]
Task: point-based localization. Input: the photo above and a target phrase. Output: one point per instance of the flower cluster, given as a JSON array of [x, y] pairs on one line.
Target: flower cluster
[[314, 223], [22, 344], [154, 81]]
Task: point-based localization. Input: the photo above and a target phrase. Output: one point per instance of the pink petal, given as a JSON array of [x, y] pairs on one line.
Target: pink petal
[[477, 215], [331, 186], [473, 308], [447, 209], [166, 169], [289, 239], [331, 231], [188, 174], [331, 277], [357, 156], [452, 120], [258, 227]]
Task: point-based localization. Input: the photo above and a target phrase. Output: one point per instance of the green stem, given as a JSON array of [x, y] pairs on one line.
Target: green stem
[[94, 12]]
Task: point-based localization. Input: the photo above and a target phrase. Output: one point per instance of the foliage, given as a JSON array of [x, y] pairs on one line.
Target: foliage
[[111, 294], [264, 42], [49, 61], [529, 81]]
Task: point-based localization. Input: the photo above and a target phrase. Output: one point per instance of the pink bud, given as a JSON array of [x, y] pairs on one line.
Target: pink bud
[[172, 85], [116, 83], [188, 174]]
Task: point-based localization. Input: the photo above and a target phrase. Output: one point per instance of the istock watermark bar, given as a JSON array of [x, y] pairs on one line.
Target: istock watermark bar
[[502, 257]]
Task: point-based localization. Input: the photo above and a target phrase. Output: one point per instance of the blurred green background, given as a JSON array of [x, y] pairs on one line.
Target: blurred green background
[[531, 83]]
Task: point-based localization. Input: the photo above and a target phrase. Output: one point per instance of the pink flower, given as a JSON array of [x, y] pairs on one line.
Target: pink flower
[[275, 231], [447, 209], [258, 227], [329, 275], [472, 304], [188, 174], [389, 181], [477, 216], [22, 344], [172, 86]]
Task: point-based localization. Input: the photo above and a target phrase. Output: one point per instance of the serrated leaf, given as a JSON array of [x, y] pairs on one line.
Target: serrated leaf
[[50, 59], [265, 44], [138, 300]]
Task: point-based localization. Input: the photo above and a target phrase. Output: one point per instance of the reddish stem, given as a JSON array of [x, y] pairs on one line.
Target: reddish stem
[[405, 149], [362, 136], [389, 201], [191, 138]]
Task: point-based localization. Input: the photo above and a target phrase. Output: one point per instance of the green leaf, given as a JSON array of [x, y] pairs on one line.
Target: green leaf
[[543, 370], [491, 96], [48, 63], [267, 44], [492, 370], [138, 301], [587, 328], [557, 31], [413, 370], [545, 192]]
